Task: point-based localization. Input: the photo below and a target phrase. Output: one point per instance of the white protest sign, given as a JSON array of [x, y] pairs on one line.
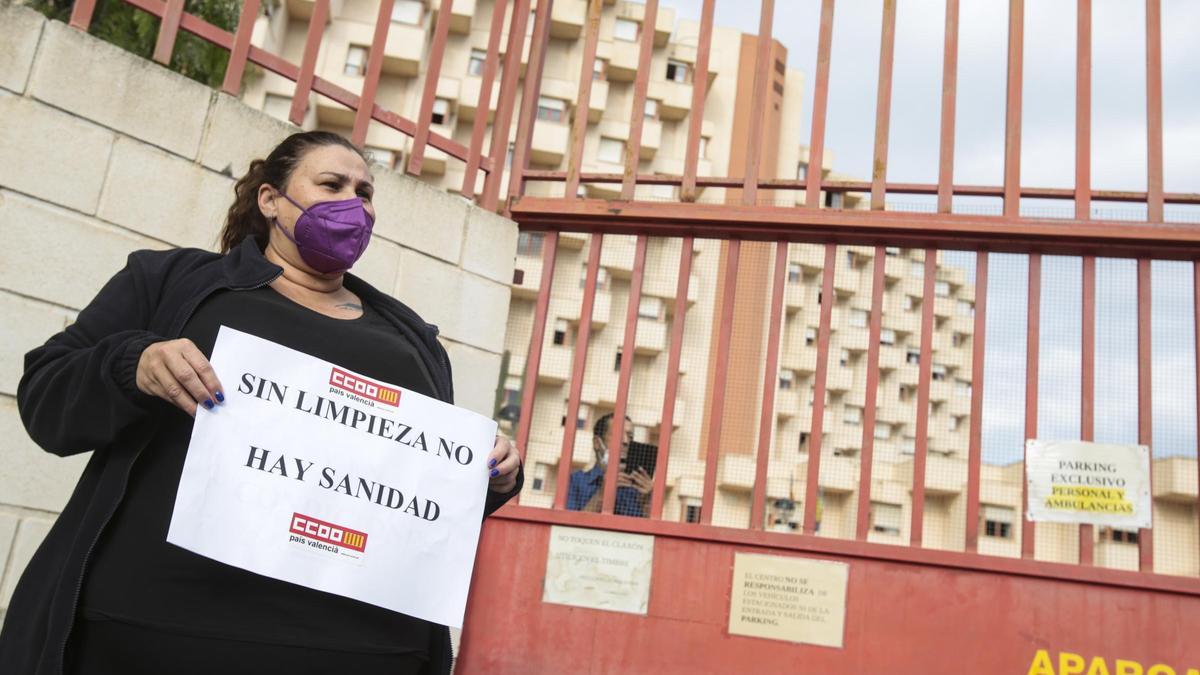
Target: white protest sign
[[1089, 483], [314, 475]]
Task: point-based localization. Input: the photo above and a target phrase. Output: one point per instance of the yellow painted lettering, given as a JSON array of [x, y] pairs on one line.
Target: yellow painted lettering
[[1042, 665], [1070, 664], [1128, 667], [1160, 669], [1098, 667]]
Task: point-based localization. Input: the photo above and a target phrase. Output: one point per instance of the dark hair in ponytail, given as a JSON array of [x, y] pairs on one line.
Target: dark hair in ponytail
[[244, 218]]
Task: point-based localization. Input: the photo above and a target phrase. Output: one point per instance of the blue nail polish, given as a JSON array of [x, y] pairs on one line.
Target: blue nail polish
[[208, 404], [220, 397], [495, 472], [491, 463]]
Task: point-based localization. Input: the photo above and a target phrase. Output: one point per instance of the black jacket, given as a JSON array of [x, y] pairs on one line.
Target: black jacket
[[78, 393]]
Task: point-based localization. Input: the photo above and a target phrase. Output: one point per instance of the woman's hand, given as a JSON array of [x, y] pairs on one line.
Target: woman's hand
[[176, 370], [503, 463]]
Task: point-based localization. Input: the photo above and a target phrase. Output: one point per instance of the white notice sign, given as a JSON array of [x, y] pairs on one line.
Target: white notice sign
[[792, 599], [314, 475], [1091, 483], [599, 569]]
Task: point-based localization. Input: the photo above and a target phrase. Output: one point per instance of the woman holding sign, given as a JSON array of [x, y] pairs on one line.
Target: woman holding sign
[[105, 592]]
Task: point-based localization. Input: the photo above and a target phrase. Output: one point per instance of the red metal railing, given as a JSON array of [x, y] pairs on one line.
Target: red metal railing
[[748, 220]]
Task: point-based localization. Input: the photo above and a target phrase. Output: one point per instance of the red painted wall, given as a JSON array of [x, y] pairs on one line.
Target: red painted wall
[[900, 618]]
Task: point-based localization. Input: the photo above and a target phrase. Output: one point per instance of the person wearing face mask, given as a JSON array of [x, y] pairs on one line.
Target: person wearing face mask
[[105, 592], [586, 490]]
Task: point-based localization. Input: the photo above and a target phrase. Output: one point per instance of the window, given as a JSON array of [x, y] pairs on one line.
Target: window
[[601, 277], [512, 395], [678, 71], [852, 416], [508, 156], [691, 513], [905, 393], [810, 336], [617, 361], [954, 423], [793, 273], [941, 289], [908, 445], [407, 11], [581, 419], [599, 70], [786, 379], [891, 250], [703, 149], [650, 307], [624, 29], [651, 109], [885, 518], [802, 171], [380, 156], [913, 356], [803, 438], [834, 200], [997, 521], [475, 65], [844, 358], [560, 331], [551, 109], [441, 111], [939, 372], [957, 339], [883, 431], [962, 387], [277, 106], [611, 151], [539, 476], [530, 243], [887, 336], [859, 318], [911, 304], [1120, 536], [356, 60], [965, 308], [916, 269]]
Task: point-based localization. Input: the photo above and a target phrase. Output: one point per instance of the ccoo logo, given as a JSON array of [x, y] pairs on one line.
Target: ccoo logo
[[328, 532], [364, 387]]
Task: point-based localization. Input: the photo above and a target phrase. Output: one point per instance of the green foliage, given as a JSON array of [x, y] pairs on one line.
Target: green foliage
[[136, 31]]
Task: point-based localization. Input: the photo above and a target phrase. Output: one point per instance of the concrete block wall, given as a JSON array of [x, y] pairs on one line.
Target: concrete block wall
[[103, 153]]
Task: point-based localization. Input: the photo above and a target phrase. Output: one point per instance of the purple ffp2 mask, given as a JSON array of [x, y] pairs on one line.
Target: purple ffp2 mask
[[331, 236]]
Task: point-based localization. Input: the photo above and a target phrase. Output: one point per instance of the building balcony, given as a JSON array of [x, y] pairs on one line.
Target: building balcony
[[944, 476], [891, 357], [651, 337], [549, 143], [943, 307], [793, 297], [603, 190], [567, 18], [555, 365], [531, 265], [895, 267], [468, 100], [572, 306], [940, 390], [903, 322], [736, 472], [1175, 479], [597, 101], [617, 253], [788, 402], [959, 404], [663, 24], [802, 359], [810, 256], [854, 339], [303, 9], [909, 374], [962, 323], [838, 378], [662, 284], [460, 15], [622, 63], [845, 280], [839, 474], [675, 98], [403, 50]]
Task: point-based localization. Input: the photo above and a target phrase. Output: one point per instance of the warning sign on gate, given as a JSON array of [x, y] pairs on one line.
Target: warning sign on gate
[[1088, 483]]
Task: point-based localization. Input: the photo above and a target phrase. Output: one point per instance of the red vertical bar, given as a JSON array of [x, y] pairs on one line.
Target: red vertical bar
[[975, 445], [168, 29], [628, 354], [433, 73], [579, 364], [308, 63], [1196, 331], [537, 336], [717, 412], [366, 104], [863, 522], [1145, 411], [241, 48], [484, 106], [766, 421], [1083, 111], [637, 116], [504, 107], [1087, 382], [816, 143], [1154, 130], [669, 396], [883, 105], [81, 14], [687, 190], [762, 66], [1032, 344], [583, 101], [925, 374], [529, 97], [949, 91], [1012, 118], [820, 378]]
